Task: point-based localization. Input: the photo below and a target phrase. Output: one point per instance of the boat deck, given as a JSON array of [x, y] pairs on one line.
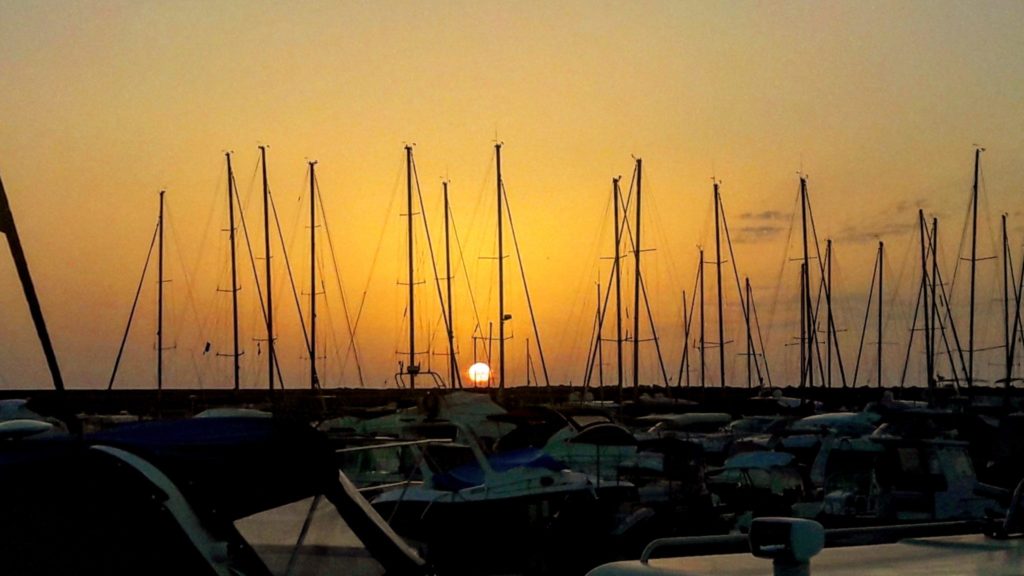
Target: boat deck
[[972, 554]]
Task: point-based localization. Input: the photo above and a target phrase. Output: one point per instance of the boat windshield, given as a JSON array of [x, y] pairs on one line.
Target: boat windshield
[[307, 537]]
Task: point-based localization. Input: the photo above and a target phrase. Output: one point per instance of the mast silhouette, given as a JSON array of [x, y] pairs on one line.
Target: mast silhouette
[[234, 272], [803, 324], [454, 378], [266, 252], [314, 379], [160, 305], [808, 316], [1015, 331], [616, 193], [974, 261], [21, 264], [718, 272], [636, 282], [501, 275], [881, 272], [684, 362], [828, 306], [412, 369], [750, 340], [1006, 303], [700, 271], [928, 297]]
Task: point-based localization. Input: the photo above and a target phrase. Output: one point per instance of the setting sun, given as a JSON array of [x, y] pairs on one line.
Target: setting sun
[[480, 374]]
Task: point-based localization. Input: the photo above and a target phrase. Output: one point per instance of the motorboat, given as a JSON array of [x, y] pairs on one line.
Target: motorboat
[[171, 497]]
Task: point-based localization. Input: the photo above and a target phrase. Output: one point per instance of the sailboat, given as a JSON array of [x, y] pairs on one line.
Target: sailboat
[[473, 509]]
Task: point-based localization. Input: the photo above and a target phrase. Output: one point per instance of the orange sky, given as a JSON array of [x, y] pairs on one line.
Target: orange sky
[[106, 103]]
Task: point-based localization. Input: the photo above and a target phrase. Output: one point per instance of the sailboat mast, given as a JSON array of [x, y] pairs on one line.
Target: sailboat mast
[[809, 318], [314, 380], [501, 275], [750, 340], [1006, 301], [411, 369], [700, 272], [929, 358], [160, 303], [453, 372], [718, 273], [935, 298], [974, 261], [636, 282], [266, 253], [1015, 330], [684, 363], [21, 264], [881, 285], [828, 306], [234, 271], [600, 345], [618, 282], [529, 363], [803, 325]]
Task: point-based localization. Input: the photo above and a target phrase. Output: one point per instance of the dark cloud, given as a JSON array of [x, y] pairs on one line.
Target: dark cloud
[[875, 232], [893, 220], [770, 215], [745, 234]]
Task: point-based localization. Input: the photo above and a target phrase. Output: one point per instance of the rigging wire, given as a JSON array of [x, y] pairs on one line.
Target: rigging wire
[[135, 302], [433, 260], [526, 289], [643, 290], [352, 348], [462, 259], [739, 288], [288, 268], [776, 293], [189, 292], [376, 252], [252, 256], [867, 311]]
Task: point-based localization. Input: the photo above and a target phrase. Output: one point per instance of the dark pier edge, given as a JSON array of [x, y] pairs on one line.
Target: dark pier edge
[[315, 405]]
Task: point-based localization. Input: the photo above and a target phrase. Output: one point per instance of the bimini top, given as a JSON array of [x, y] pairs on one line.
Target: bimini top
[[161, 498]]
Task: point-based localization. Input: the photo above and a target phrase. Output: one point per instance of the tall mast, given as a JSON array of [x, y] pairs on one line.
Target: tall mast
[[809, 318], [618, 283], [234, 269], [314, 379], [636, 282], [974, 261], [529, 364], [936, 325], [21, 264], [750, 340], [684, 364], [928, 353], [160, 303], [412, 369], [1015, 330], [803, 325], [600, 345], [828, 306], [266, 252], [881, 285], [700, 272], [718, 272], [454, 379], [501, 276], [1006, 302]]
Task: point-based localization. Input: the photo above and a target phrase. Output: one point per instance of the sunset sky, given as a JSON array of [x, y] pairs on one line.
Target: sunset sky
[[880, 104]]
